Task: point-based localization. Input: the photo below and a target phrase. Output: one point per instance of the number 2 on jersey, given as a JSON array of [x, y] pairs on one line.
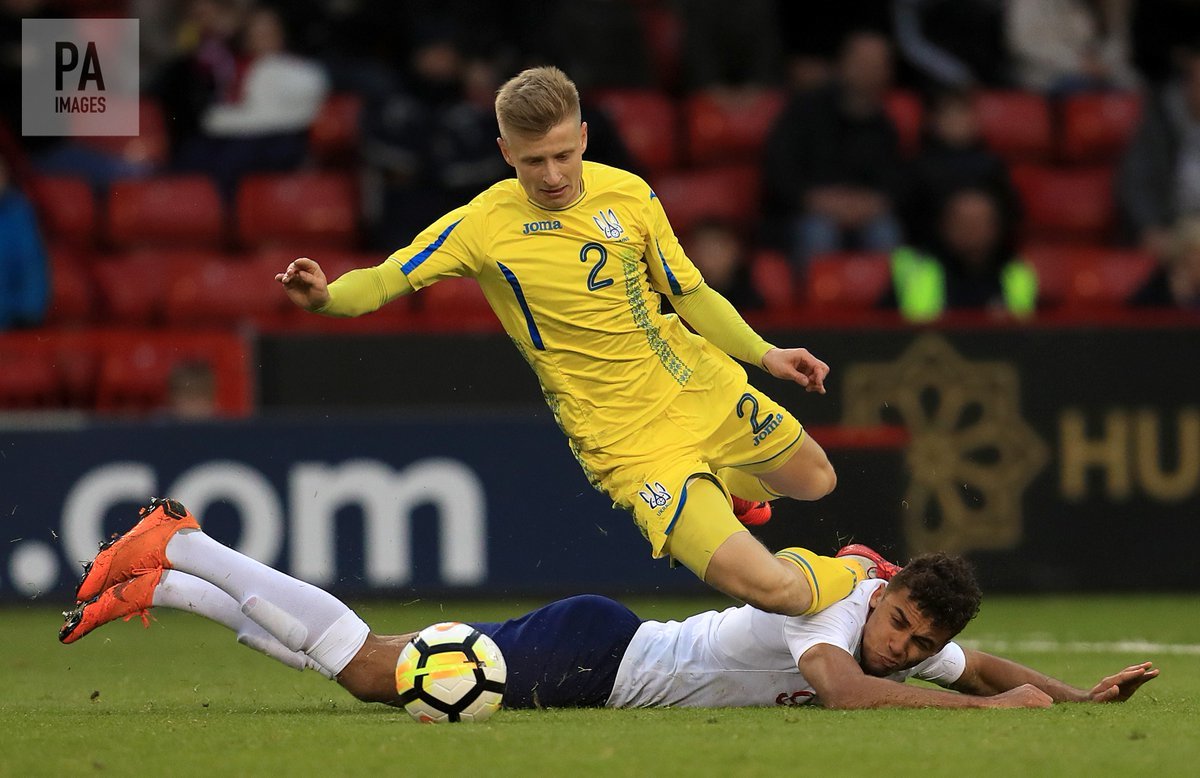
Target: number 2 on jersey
[[755, 425], [601, 257]]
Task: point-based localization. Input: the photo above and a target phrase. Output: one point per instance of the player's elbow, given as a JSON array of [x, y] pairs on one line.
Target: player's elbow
[[848, 693]]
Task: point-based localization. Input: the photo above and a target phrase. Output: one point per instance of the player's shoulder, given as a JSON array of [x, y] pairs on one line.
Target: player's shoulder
[[613, 181], [504, 192], [502, 195]]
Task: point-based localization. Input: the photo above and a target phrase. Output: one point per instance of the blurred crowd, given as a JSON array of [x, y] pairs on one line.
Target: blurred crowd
[[240, 85]]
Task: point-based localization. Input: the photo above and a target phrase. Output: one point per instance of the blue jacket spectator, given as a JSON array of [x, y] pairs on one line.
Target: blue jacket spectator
[[24, 287]]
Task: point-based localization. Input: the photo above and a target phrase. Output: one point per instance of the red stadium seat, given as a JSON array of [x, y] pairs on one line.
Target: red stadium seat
[[729, 194], [1053, 265], [176, 211], [133, 286], [68, 207], [907, 115], [150, 146], [1070, 204], [646, 121], [1097, 127], [847, 281], [72, 292], [133, 380], [771, 274], [1107, 278], [224, 292], [334, 136], [302, 209], [724, 127], [28, 381], [1016, 125]]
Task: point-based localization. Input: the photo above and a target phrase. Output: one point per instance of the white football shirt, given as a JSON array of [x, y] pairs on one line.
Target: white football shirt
[[745, 657]]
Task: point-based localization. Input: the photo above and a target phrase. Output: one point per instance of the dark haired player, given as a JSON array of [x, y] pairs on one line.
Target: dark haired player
[[591, 651]]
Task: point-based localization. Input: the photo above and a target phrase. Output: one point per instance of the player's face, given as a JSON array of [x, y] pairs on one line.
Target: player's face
[[897, 635], [550, 168]]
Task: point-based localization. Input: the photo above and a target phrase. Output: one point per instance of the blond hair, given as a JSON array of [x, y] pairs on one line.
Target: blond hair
[[535, 101]]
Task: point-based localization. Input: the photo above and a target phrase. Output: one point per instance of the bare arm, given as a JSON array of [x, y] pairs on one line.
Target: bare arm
[[841, 684], [986, 674]]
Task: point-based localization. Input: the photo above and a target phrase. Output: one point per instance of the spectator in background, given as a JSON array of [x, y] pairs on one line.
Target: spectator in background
[[204, 69], [953, 43], [970, 265], [953, 157], [601, 43], [723, 49], [810, 50], [719, 253], [192, 391], [1177, 283], [24, 286], [1063, 46], [263, 123], [1159, 178], [832, 162], [431, 144]]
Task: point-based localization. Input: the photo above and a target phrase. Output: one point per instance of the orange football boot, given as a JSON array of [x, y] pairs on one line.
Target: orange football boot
[[142, 548], [871, 560], [125, 600], [751, 513]]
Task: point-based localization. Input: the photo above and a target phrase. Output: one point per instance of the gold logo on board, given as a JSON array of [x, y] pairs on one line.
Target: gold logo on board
[[971, 455]]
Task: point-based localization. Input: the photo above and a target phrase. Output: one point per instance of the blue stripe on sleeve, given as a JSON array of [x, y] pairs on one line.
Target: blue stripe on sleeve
[[671, 279], [534, 335], [426, 252]]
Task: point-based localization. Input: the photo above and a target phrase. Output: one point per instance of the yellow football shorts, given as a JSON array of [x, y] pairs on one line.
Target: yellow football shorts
[[702, 431]]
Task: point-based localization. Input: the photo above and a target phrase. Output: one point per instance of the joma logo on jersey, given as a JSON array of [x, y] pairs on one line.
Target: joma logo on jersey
[[608, 224], [656, 495], [541, 227]]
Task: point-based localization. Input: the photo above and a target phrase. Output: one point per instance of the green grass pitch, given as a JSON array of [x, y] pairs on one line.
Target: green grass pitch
[[184, 699]]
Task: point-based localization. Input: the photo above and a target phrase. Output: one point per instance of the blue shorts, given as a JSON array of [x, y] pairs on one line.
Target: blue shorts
[[564, 655]]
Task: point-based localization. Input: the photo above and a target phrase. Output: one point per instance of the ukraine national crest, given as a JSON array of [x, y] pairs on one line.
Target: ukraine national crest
[[608, 224], [656, 495]]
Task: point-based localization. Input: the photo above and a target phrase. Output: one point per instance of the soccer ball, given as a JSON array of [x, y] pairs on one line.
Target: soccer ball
[[451, 672]]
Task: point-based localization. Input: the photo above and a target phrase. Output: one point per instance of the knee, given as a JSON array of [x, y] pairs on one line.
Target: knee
[[817, 480], [825, 479]]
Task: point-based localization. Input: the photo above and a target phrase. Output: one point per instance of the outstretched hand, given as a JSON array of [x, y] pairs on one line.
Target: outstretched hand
[[1121, 686], [305, 284], [799, 365]]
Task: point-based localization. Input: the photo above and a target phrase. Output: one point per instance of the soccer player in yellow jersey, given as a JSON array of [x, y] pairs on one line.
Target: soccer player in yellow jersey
[[574, 258]]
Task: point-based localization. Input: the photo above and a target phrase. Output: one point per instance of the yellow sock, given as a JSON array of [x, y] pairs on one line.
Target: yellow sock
[[744, 485], [831, 578]]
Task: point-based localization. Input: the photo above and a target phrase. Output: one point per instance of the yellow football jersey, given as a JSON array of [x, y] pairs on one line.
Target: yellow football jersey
[[577, 289]]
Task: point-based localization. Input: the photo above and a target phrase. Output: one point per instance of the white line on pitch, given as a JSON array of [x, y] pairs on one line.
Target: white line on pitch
[[1084, 647]]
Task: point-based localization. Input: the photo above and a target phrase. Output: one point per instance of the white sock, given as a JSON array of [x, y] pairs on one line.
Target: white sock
[[299, 615], [180, 591]]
